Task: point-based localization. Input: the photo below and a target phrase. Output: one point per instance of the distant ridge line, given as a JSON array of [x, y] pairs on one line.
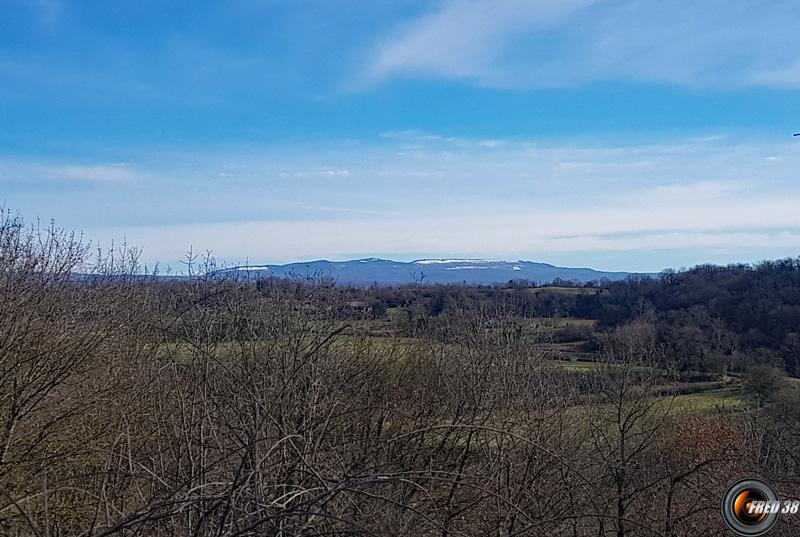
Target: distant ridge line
[[373, 270]]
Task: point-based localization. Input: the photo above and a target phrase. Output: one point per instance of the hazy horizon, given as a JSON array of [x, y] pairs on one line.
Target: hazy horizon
[[180, 266]]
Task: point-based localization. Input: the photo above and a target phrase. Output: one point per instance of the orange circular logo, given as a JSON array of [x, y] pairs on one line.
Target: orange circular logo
[[750, 507], [743, 506]]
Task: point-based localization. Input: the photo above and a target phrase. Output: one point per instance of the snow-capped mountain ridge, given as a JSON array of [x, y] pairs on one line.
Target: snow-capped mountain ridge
[[373, 270], [451, 261]]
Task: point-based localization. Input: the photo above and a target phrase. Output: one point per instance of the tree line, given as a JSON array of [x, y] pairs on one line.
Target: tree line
[[710, 318]]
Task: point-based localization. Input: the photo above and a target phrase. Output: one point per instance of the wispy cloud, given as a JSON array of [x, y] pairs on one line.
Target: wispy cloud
[[317, 172], [464, 37], [784, 76], [424, 194], [688, 193], [12, 171], [542, 43], [115, 173]]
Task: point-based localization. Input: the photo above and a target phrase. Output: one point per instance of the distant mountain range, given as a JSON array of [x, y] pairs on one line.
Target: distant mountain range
[[386, 272]]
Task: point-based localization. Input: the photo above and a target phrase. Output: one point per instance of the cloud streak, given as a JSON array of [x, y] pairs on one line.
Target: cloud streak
[[524, 44], [464, 37], [12, 171]]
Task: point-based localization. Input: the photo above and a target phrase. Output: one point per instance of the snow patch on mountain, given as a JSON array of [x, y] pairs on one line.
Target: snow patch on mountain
[[453, 261]]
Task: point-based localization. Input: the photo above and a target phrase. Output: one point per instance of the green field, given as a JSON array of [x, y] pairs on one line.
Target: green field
[[378, 338]]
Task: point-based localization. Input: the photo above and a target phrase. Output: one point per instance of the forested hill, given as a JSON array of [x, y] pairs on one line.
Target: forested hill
[[712, 316]]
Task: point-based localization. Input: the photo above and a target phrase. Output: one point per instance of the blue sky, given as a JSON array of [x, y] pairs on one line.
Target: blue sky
[[630, 135]]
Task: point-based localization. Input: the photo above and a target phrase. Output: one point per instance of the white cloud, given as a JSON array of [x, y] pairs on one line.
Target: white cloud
[[786, 76], [463, 37], [26, 172], [115, 173], [521, 43], [688, 193], [317, 172]]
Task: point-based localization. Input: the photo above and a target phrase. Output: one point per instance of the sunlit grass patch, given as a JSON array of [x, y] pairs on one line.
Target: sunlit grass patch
[[578, 366], [722, 399]]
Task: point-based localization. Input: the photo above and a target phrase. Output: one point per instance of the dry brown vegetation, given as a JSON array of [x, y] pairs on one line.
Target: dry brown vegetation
[[215, 407]]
